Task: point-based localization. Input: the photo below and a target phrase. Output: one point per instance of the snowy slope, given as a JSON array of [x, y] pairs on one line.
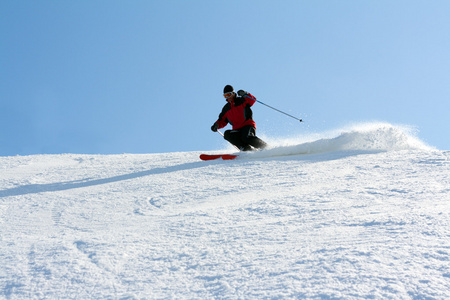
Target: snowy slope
[[362, 214]]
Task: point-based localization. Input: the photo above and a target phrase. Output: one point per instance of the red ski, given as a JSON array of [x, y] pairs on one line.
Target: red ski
[[217, 156]]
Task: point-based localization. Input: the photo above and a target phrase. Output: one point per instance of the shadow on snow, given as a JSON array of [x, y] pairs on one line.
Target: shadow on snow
[[68, 185]]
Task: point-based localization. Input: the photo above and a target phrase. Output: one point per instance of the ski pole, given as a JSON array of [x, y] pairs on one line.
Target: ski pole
[[280, 111], [221, 133]]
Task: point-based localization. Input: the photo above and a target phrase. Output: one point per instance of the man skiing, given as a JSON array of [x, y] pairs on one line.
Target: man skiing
[[238, 113]]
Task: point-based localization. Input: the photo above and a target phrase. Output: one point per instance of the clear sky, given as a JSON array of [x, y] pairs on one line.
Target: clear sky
[[147, 76]]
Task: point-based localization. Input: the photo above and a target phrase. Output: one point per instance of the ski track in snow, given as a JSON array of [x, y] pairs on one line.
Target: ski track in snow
[[363, 214]]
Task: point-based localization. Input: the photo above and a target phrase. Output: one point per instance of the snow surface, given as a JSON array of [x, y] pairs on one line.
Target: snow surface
[[361, 214]]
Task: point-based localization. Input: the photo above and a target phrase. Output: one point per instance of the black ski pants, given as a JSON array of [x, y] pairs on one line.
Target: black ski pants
[[245, 138]]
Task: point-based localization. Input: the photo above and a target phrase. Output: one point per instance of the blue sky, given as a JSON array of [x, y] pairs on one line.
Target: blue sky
[[147, 76]]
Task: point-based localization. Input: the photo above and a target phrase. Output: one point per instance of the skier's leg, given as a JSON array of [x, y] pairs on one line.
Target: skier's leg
[[234, 137], [249, 137]]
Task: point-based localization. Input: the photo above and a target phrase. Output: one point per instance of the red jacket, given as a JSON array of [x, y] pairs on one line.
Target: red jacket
[[238, 113]]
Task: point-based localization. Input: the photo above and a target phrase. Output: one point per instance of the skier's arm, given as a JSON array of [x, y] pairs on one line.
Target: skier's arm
[[219, 124], [249, 98], [222, 121]]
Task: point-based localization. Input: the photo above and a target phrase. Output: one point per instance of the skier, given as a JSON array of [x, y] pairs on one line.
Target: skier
[[238, 113]]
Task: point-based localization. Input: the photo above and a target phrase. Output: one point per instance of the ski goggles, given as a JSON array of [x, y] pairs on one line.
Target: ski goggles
[[228, 95]]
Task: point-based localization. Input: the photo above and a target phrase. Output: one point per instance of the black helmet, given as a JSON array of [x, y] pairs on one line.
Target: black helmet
[[227, 89]]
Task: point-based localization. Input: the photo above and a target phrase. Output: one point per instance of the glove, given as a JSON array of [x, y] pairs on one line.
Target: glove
[[215, 127], [242, 93]]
